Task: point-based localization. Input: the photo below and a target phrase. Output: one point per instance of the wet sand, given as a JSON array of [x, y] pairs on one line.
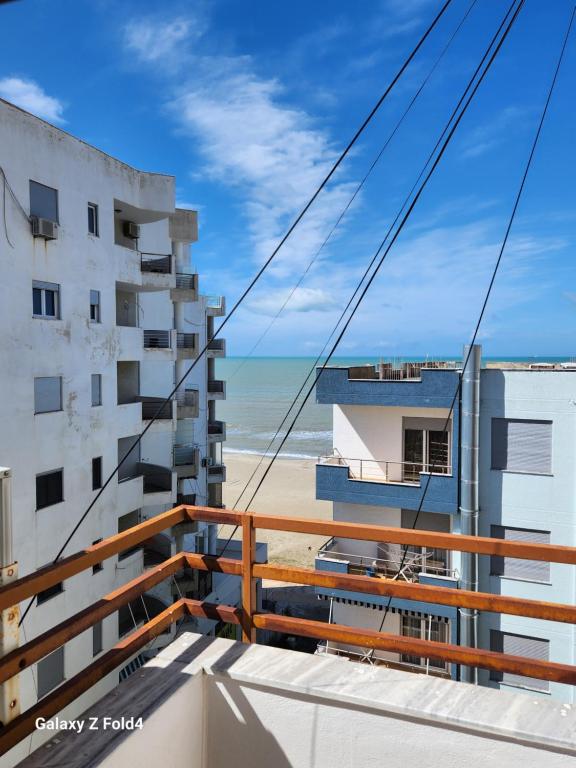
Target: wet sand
[[289, 489]]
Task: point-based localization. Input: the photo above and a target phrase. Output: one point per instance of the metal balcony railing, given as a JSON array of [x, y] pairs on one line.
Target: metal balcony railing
[[407, 371], [216, 428], [187, 398], [217, 345], [216, 387], [376, 471], [161, 263], [156, 407], [250, 619], [186, 340], [400, 563], [157, 340], [185, 454], [186, 281]]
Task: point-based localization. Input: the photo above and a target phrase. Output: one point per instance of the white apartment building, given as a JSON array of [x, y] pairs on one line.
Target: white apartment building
[[391, 435], [101, 315]]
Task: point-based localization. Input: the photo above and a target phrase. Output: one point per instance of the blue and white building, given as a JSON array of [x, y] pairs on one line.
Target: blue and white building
[[497, 456]]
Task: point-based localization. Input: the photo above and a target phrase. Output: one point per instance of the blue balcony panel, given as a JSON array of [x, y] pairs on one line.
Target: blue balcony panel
[[435, 389], [333, 483]]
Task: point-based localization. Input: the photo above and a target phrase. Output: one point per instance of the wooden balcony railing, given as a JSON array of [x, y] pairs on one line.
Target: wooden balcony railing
[[250, 619]]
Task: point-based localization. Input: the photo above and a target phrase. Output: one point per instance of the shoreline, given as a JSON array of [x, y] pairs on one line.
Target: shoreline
[[290, 490]]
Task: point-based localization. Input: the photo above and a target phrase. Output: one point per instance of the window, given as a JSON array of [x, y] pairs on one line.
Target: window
[[99, 566], [426, 448], [97, 473], [522, 445], [43, 201], [96, 389], [95, 306], [49, 488], [513, 567], [45, 299], [45, 595], [47, 394], [93, 228], [97, 639], [424, 628], [519, 645], [50, 672]]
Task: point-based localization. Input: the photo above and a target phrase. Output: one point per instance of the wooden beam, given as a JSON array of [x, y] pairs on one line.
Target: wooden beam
[[214, 564], [552, 553], [456, 654], [248, 583], [46, 577], [460, 598]]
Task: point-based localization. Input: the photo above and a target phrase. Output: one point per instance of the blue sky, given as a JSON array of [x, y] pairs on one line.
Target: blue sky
[[249, 103]]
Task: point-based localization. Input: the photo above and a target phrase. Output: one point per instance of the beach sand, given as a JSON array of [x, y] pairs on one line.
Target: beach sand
[[289, 489]]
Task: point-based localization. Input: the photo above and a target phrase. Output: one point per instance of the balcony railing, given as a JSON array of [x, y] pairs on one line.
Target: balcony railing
[[215, 305], [185, 454], [376, 471], [187, 398], [21, 658], [186, 282], [217, 429], [400, 562], [161, 263], [186, 340], [217, 345], [408, 371], [156, 407], [157, 340], [216, 387]]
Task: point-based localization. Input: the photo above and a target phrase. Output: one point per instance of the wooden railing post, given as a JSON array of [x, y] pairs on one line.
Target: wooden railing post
[[248, 583]]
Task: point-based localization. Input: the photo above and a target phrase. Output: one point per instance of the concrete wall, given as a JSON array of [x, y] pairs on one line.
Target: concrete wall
[[213, 704]]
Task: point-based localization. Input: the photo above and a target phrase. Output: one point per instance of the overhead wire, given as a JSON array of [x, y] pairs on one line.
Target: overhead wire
[[455, 118], [256, 277], [490, 284]]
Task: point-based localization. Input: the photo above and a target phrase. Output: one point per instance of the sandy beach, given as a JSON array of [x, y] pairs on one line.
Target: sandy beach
[[289, 489]]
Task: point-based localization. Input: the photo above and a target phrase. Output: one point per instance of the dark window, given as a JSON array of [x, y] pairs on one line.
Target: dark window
[[97, 473], [93, 219], [129, 455], [515, 568], [43, 201], [96, 389], [522, 445], [95, 306], [45, 299], [99, 566], [46, 594], [50, 672], [49, 488], [97, 639], [519, 645], [47, 394]]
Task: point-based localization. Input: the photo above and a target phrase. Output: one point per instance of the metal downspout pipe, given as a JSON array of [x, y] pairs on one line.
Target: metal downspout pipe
[[469, 507]]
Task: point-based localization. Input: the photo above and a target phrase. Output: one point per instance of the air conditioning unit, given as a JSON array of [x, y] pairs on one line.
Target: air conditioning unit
[[207, 461], [44, 228], [131, 230]]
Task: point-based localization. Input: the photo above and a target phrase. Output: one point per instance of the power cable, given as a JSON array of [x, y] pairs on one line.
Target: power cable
[[490, 285], [255, 279], [402, 223]]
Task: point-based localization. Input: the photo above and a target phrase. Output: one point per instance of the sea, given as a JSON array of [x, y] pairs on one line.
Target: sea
[[259, 391]]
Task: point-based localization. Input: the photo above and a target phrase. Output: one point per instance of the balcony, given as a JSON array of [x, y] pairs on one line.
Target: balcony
[[187, 403], [216, 348], [216, 389], [157, 479], [186, 460], [186, 287], [387, 483], [161, 340], [216, 431], [156, 408], [186, 345], [216, 473], [157, 550], [412, 385], [215, 306]]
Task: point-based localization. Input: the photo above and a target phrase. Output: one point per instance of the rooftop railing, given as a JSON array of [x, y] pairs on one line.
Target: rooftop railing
[[161, 263], [250, 619], [380, 471], [408, 371]]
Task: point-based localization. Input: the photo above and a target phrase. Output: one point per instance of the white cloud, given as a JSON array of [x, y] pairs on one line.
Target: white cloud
[[490, 135], [157, 41], [28, 95], [302, 300]]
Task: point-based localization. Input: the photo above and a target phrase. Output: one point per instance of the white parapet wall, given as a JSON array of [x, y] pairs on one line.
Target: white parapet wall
[[208, 703]]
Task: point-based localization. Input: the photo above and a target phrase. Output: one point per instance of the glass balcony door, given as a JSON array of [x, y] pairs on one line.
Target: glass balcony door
[[425, 450]]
